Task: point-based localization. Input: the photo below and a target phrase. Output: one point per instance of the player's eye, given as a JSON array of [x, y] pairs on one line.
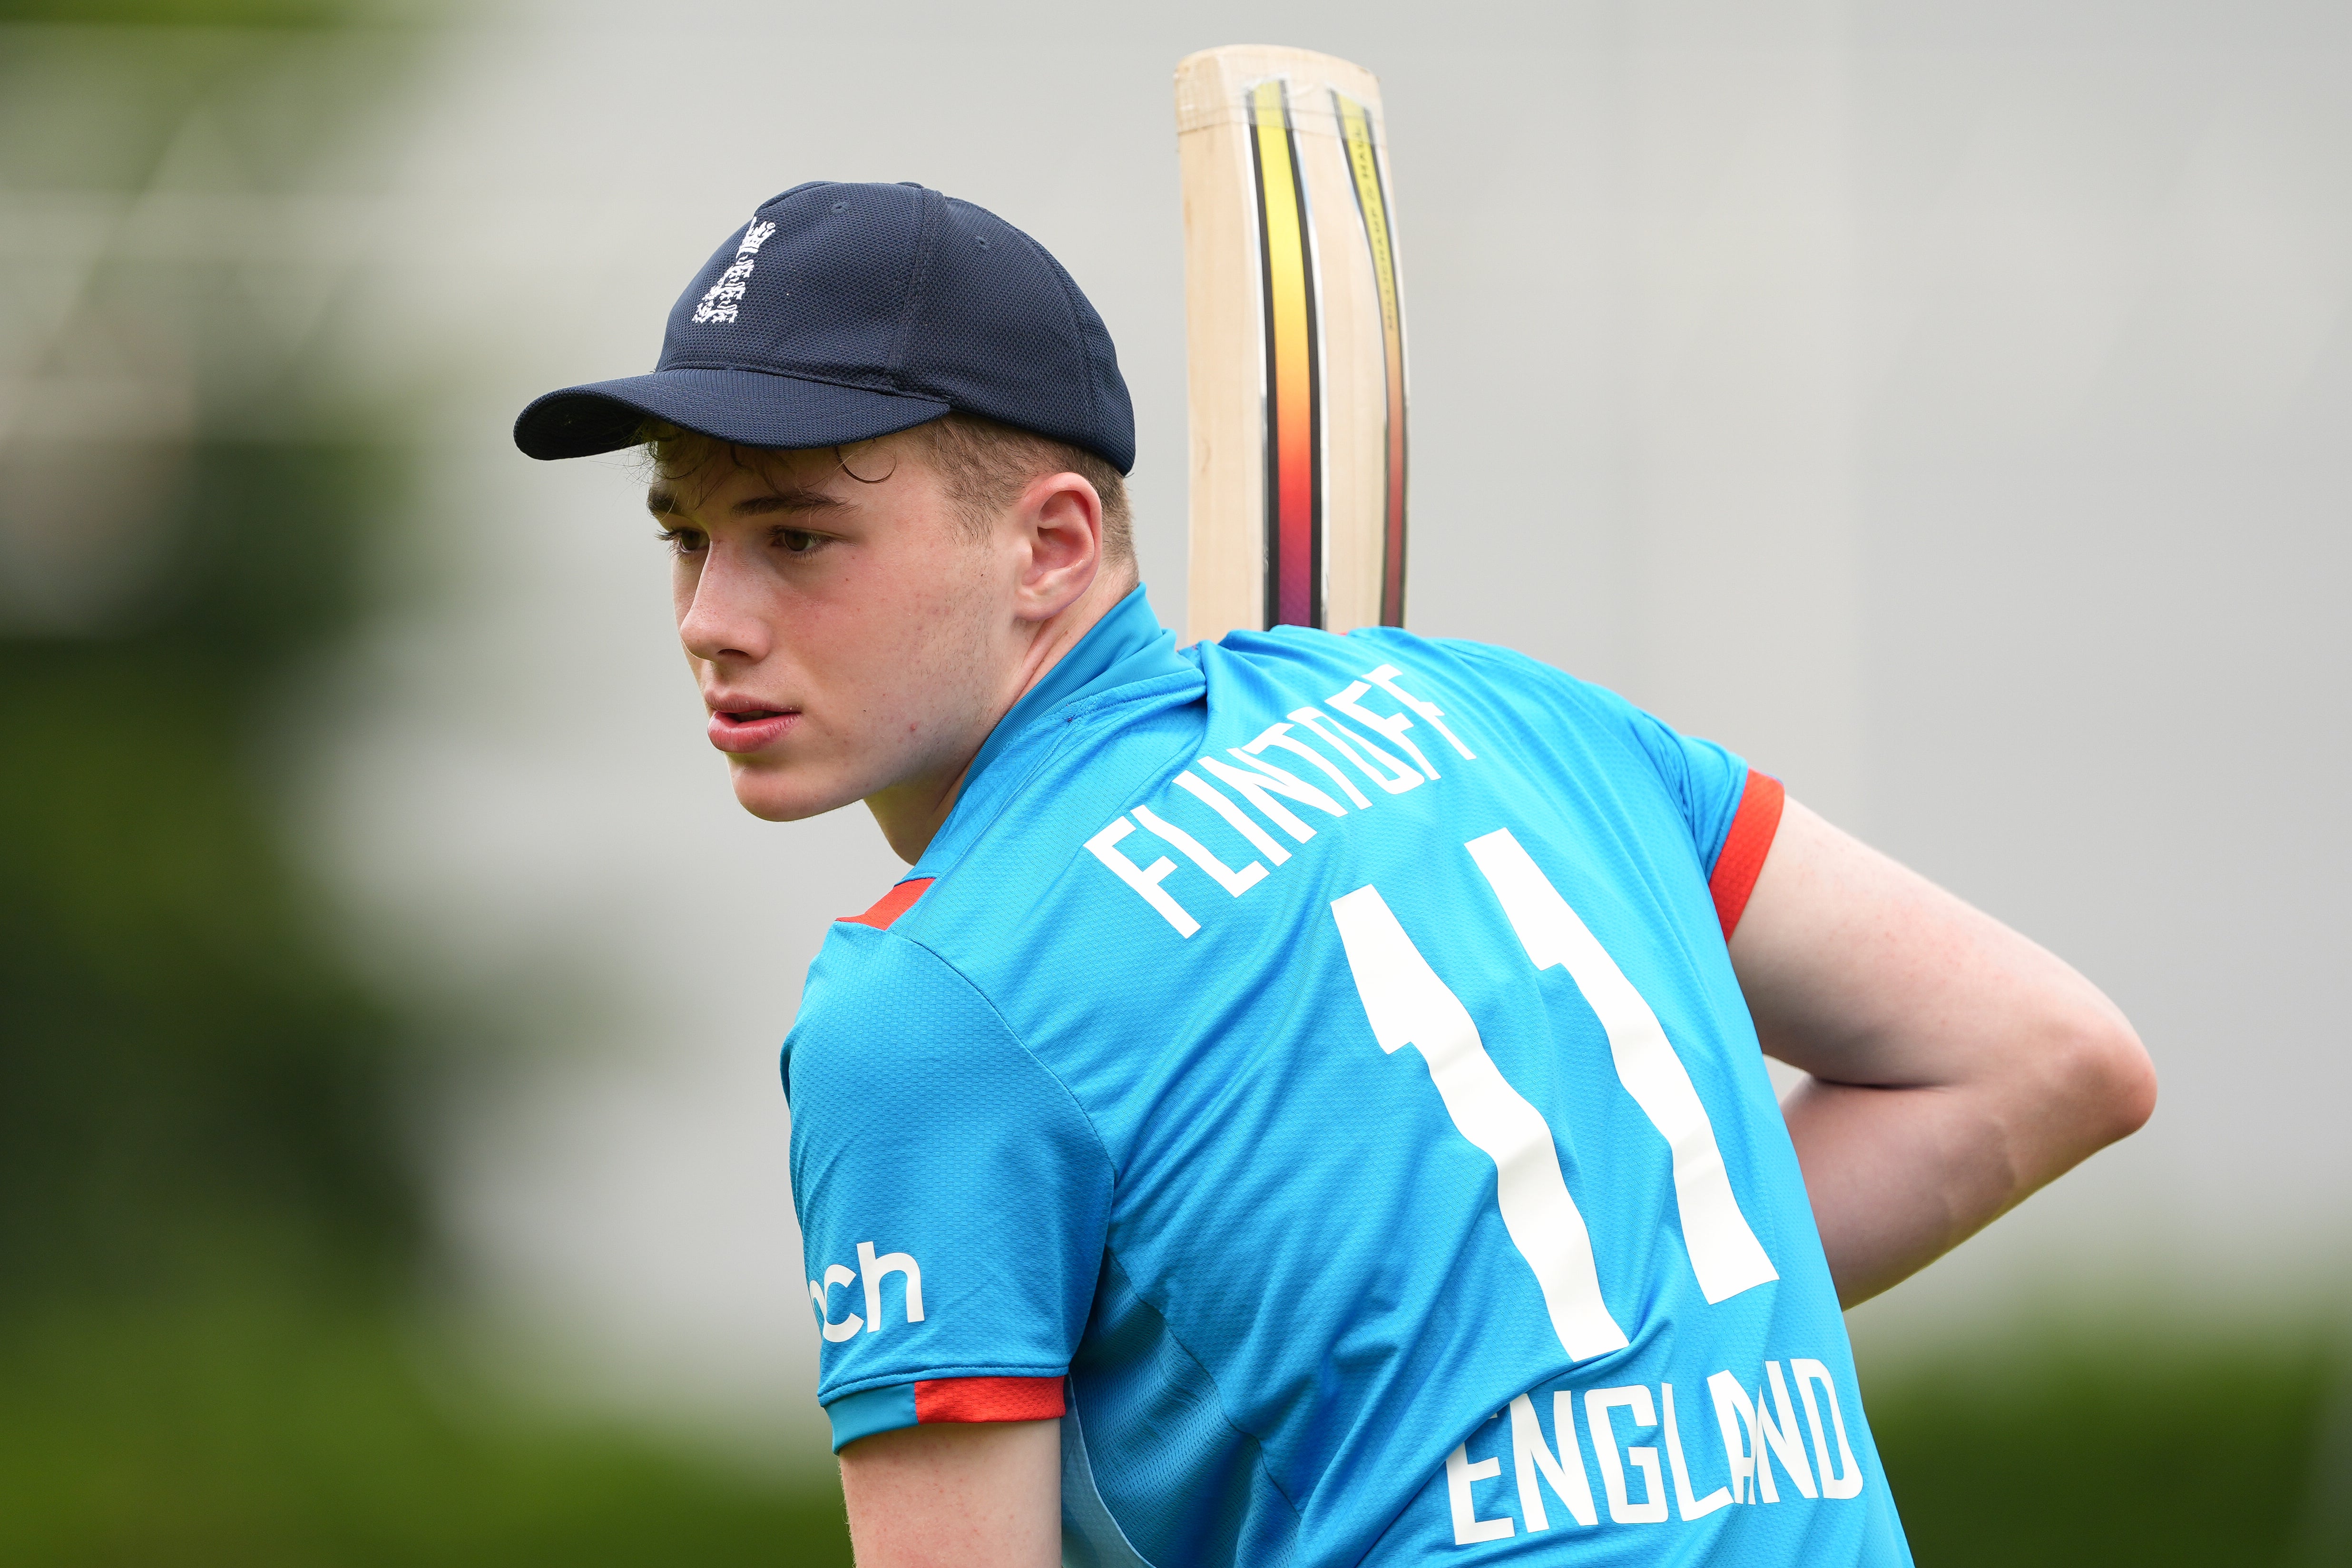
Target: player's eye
[[798, 542], [683, 540]]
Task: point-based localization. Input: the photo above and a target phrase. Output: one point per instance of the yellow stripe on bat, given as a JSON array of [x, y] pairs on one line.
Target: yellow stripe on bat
[[1372, 204]]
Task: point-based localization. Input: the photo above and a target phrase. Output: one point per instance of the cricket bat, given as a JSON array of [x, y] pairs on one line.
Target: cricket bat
[[1294, 343]]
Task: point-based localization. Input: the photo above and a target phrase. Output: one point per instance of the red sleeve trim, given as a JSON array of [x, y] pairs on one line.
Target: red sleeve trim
[[988, 1399], [892, 904], [1745, 847]]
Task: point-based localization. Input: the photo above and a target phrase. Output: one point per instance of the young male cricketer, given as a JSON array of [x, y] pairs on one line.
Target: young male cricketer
[[1304, 1104]]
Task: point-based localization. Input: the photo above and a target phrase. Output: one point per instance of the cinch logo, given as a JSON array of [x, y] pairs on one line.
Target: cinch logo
[[873, 1270], [719, 303]]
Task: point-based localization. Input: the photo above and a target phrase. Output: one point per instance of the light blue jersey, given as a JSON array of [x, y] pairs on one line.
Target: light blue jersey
[[1311, 1067]]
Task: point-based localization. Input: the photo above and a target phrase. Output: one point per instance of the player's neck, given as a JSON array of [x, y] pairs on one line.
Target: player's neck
[[911, 811]]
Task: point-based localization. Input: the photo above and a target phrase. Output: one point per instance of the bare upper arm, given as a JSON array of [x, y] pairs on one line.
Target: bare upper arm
[[956, 1495], [1858, 970]]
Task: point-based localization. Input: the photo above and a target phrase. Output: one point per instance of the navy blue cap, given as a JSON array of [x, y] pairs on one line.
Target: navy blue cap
[[842, 312]]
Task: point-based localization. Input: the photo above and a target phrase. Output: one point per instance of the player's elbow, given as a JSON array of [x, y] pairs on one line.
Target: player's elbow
[[2106, 1081]]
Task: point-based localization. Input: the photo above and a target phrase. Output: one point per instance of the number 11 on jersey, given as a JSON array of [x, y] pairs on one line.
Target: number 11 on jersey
[[1407, 1003]]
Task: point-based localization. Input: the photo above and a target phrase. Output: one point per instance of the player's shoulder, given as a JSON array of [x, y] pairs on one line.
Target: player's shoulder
[[1545, 730], [867, 983], [891, 1033], [1512, 687], [1008, 842]]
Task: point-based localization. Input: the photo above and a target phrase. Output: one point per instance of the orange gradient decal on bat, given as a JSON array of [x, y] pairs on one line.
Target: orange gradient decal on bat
[[1372, 204], [1294, 457]]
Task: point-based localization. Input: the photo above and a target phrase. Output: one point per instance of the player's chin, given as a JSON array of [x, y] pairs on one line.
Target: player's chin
[[773, 791]]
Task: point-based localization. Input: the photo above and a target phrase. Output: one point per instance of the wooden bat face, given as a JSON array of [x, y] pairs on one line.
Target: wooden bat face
[[1295, 341]]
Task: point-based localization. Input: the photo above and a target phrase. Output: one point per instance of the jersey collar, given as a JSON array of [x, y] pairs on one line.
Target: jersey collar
[[1128, 645]]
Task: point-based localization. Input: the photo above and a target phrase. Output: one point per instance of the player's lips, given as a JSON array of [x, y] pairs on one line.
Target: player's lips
[[740, 725]]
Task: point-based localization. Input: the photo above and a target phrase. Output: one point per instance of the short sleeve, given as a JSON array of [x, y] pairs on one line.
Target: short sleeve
[[953, 1198], [1733, 810]]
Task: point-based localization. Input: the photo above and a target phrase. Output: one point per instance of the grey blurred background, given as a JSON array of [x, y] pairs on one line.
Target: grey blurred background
[[1943, 404]]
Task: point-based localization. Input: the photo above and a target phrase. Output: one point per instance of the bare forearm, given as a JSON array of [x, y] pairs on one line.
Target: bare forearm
[[985, 1495], [1895, 1177], [1899, 1176]]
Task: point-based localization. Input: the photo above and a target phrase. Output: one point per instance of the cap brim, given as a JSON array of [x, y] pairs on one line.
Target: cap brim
[[753, 408]]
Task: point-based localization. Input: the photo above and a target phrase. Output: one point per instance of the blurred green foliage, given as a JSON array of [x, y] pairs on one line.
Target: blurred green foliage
[[246, 1429], [2186, 1447], [185, 12], [186, 1062], [191, 507], [212, 1226]]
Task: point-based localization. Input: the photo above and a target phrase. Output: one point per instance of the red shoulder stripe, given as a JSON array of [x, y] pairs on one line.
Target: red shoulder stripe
[[988, 1399], [892, 904], [1745, 847]]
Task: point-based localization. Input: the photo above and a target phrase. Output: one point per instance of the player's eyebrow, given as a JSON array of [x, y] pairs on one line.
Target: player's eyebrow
[[790, 498], [662, 502]]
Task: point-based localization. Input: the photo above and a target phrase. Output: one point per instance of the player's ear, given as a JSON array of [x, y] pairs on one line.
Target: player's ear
[[1059, 517]]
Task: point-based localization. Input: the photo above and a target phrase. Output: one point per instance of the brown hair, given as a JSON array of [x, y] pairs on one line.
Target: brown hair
[[986, 464]]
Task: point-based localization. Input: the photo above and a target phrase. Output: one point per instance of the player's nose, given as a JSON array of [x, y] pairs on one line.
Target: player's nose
[[724, 620]]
